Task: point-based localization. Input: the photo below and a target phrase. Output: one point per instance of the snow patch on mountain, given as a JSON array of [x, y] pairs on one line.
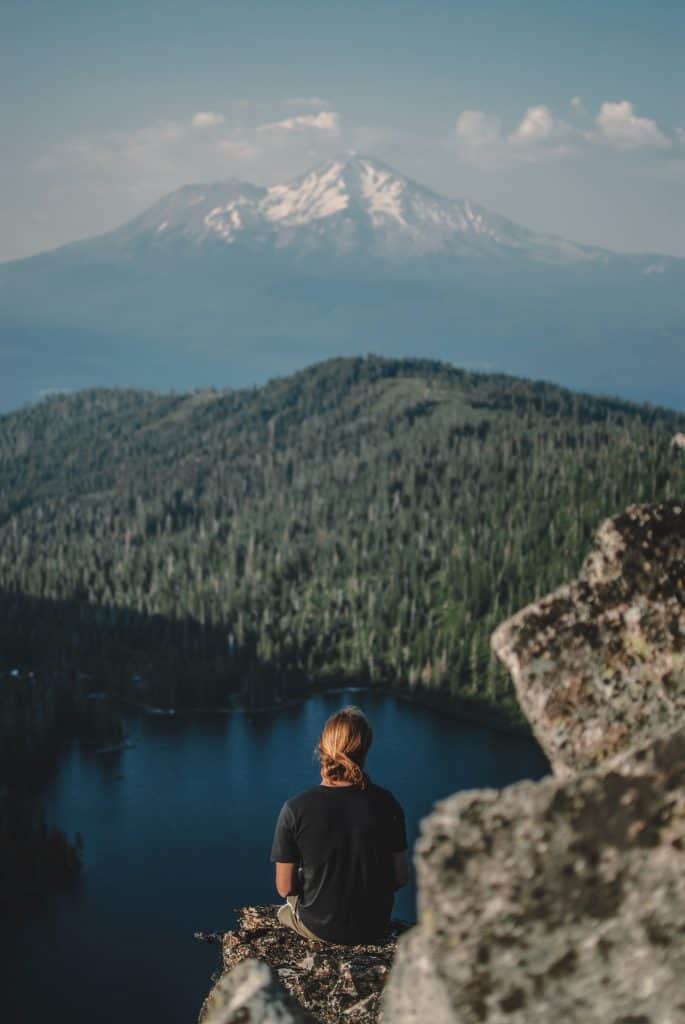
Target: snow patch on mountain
[[316, 196], [383, 193]]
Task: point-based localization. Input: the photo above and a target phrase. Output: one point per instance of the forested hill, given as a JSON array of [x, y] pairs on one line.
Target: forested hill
[[365, 518]]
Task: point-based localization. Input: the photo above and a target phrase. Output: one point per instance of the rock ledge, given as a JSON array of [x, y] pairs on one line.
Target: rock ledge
[[329, 983]]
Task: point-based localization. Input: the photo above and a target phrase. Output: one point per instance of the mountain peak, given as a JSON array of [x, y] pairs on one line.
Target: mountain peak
[[352, 204], [356, 185]]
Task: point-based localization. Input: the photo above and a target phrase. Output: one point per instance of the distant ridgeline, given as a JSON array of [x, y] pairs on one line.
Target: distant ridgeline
[[364, 519]]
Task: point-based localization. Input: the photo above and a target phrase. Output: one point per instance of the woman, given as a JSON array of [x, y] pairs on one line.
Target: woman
[[340, 848]]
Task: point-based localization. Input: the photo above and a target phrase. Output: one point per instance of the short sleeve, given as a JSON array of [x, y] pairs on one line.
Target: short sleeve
[[284, 847], [397, 827]]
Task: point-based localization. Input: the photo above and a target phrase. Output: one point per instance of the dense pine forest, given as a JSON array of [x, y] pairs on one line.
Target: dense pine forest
[[364, 519]]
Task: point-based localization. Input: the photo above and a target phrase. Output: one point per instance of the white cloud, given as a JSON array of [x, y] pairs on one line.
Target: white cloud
[[476, 129], [542, 135], [619, 125], [327, 122], [207, 119], [538, 136], [539, 125]]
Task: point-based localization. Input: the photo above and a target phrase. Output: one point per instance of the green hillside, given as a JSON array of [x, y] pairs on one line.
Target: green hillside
[[365, 518]]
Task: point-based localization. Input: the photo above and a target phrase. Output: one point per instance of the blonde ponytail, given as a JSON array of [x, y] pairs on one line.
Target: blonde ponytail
[[343, 746]]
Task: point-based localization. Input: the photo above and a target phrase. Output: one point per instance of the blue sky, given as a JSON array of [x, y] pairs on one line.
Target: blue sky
[[567, 117]]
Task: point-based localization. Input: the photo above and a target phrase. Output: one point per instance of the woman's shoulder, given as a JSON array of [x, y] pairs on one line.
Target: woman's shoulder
[[383, 794], [307, 796]]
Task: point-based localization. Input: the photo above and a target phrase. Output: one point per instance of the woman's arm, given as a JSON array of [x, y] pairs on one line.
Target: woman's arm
[[401, 868], [287, 881]]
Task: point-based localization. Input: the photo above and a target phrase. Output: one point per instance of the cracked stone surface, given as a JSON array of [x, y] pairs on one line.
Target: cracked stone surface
[[599, 664]]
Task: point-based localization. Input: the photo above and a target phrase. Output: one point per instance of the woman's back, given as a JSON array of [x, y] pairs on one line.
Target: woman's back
[[343, 838]]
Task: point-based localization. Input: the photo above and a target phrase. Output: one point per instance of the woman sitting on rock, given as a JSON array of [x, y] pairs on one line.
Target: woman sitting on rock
[[340, 848]]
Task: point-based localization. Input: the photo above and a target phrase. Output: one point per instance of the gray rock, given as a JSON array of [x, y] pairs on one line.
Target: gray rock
[[557, 901], [599, 664], [251, 994], [565, 900]]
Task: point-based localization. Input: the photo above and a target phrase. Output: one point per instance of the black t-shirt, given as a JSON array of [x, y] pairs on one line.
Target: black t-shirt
[[343, 838]]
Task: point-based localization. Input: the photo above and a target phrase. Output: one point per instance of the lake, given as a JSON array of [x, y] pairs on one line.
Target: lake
[[177, 834]]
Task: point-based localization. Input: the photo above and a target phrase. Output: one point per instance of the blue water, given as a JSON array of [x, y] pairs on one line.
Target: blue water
[[177, 834]]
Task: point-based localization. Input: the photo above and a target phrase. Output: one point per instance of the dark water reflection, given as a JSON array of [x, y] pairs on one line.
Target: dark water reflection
[[177, 834]]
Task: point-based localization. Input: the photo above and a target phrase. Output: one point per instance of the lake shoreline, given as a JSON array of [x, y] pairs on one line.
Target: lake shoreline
[[465, 710]]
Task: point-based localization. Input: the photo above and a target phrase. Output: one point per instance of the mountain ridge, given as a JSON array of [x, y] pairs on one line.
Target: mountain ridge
[[230, 207], [233, 283], [212, 524]]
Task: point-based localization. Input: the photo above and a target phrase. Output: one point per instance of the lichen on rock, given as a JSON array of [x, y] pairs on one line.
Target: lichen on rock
[[559, 900], [599, 664]]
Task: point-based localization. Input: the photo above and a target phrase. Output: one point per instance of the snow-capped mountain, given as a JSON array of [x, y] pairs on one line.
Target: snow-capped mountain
[[344, 205], [230, 283]]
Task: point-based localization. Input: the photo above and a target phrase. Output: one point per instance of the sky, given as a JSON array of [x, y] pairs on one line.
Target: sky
[[567, 117]]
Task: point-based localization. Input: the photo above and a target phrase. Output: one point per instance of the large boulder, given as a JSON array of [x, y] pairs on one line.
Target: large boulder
[[555, 901], [599, 664]]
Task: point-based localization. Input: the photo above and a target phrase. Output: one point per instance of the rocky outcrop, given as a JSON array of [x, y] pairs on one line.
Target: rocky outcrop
[[329, 983], [599, 664], [565, 900], [553, 901], [678, 440], [562, 900]]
